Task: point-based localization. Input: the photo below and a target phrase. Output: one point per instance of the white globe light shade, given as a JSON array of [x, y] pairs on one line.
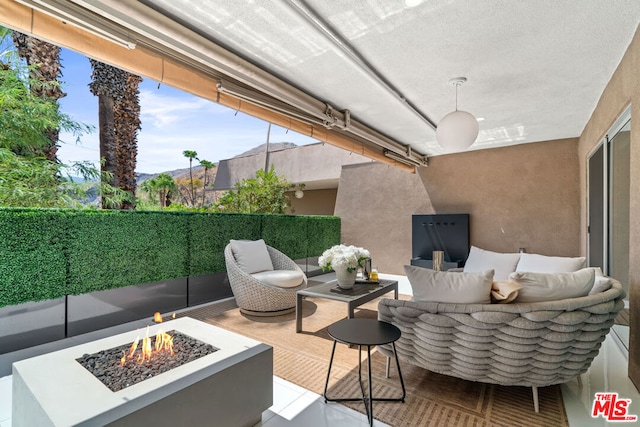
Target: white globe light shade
[[299, 194], [457, 131]]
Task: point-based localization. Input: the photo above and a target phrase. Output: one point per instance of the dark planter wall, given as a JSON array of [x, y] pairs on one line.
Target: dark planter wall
[[32, 323], [49, 254], [67, 272]]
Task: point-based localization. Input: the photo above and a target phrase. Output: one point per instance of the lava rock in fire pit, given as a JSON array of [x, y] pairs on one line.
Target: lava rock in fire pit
[[108, 367]]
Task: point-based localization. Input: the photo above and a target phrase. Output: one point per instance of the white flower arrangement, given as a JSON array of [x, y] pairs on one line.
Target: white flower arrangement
[[343, 257]]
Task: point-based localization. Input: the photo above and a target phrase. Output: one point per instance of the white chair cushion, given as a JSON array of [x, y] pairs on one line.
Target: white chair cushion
[[251, 255], [449, 287], [281, 278], [482, 260], [539, 287], [533, 263]]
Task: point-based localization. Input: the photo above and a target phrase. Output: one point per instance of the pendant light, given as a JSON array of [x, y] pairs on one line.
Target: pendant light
[[458, 129]]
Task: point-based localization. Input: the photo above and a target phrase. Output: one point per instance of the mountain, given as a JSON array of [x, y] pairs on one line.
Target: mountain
[[174, 173], [198, 171], [275, 146]]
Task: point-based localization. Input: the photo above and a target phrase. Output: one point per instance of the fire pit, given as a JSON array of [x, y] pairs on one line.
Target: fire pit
[[226, 380], [128, 364]]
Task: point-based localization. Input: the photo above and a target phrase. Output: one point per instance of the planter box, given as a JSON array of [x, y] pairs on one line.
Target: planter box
[[102, 309], [30, 324], [207, 288]]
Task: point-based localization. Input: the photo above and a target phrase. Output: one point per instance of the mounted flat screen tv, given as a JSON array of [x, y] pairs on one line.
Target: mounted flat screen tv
[[441, 232]]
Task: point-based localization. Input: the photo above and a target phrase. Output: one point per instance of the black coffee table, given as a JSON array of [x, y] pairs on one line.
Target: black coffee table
[[360, 293], [364, 332]]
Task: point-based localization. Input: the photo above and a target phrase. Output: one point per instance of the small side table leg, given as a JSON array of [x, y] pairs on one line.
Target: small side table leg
[[326, 384], [404, 393], [370, 410]]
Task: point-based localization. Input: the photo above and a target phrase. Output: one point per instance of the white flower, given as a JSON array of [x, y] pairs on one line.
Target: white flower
[[343, 257]]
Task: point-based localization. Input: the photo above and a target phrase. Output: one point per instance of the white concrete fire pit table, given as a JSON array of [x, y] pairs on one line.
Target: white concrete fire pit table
[[230, 387]]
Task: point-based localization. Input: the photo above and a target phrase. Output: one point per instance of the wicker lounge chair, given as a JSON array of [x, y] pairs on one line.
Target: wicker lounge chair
[[258, 298]]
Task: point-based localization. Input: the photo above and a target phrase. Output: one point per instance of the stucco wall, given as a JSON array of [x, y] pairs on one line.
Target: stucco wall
[[375, 203], [315, 202], [623, 90], [316, 165], [524, 196]]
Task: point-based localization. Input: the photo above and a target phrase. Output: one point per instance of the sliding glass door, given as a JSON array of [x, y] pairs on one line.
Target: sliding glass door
[[608, 228]]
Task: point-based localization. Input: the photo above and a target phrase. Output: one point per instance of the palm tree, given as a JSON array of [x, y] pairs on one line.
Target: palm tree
[[207, 166], [163, 185], [44, 60], [149, 187], [127, 124], [119, 122], [108, 84], [191, 155]]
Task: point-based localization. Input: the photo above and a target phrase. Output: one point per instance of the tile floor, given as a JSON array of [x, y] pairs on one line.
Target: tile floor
[[295, 406]]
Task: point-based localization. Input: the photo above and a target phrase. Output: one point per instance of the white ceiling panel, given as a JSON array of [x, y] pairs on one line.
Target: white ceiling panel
[[535, 69]]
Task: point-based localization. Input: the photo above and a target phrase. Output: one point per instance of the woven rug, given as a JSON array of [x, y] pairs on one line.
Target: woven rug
[[432, 399]]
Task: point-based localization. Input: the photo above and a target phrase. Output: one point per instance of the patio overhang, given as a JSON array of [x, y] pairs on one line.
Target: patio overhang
[[133, 37]]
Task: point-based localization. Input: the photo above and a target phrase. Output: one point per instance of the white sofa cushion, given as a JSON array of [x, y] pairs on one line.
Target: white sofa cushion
[[281, 278], [251, 255], [534, 263], [483, 260], [449, 287], [539, 287], [602, 283]]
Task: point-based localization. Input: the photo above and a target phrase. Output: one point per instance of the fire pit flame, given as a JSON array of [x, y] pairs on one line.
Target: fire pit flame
[[163, 343]]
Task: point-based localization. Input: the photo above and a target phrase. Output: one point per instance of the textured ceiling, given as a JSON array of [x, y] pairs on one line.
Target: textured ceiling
[[535, 69]]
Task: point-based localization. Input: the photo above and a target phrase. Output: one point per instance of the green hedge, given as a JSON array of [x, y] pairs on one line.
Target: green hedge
[[33, 263], [48, 254], [113, 249], [288, 233], [210, 233], [322, 233]]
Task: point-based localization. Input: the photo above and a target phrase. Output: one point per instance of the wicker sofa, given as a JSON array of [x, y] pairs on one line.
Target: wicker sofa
[[517, 344]]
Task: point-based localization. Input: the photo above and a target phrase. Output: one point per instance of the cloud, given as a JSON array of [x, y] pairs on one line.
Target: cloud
[[163, 110], [172, 121]]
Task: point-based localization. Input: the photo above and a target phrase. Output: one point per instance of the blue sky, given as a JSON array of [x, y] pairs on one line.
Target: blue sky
[[172, 121]]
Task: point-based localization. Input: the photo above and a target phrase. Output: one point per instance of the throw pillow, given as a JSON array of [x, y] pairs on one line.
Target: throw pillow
[[504, 292], [446, 287], [602, 283], [251, 256], [482, 260], [539, 287], [533, 263]]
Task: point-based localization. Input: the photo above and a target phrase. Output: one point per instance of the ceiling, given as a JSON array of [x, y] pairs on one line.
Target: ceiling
[[535, 69]]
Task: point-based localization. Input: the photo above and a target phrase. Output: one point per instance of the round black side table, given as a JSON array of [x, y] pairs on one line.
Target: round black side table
[[364, 332]]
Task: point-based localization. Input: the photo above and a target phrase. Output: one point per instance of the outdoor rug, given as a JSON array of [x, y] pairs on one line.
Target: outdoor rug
[[432, 399]]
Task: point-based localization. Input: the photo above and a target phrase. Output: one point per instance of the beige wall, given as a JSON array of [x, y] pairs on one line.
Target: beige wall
[[315, 202], [524, 196], [318, 166], [375, 203], [623, 90]]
